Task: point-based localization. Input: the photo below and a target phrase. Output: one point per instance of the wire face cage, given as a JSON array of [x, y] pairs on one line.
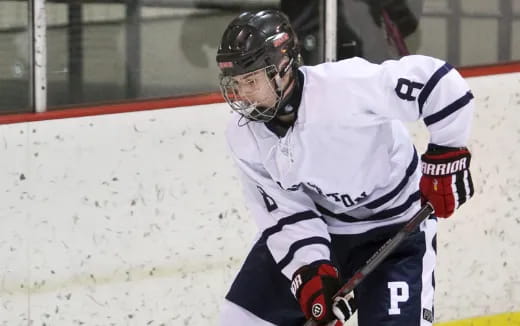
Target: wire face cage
[[253, 95]]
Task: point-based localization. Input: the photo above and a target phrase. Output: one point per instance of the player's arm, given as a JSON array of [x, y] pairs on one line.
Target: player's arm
[[420, 87], [298, 241]]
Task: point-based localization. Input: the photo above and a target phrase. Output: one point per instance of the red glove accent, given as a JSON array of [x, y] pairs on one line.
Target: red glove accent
[[314, 286], [446, 182]]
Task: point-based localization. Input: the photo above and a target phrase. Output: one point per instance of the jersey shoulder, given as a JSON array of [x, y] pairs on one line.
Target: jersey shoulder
[[358, 73], [344, 70], [352, 91], [338, 93]]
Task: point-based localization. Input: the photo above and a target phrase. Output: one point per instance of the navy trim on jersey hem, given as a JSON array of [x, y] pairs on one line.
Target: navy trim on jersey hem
[[292, 219], [431, 83], [410, 170], [385, 214], [299, 244], [455, 106]]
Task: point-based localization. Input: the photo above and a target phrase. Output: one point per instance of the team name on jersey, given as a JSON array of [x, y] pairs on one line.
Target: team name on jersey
[[346, 199], [444, 168]]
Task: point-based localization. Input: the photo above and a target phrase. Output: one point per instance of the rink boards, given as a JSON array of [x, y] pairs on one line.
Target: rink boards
[[137, 218]]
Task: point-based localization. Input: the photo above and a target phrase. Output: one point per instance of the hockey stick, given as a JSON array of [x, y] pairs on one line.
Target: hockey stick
[[381, 253], [394, 35]]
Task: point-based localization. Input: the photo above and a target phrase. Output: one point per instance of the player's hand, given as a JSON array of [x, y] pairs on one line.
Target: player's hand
[[446, 182], [314, 286]]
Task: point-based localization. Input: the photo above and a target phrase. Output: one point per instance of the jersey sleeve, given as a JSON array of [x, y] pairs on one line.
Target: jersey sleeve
[[290, 225], [421, 87]]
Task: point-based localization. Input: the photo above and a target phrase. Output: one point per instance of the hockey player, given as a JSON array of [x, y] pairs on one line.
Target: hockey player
[[330, 173]]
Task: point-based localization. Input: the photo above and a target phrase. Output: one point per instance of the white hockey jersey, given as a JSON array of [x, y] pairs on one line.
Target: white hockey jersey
[[348, 164]]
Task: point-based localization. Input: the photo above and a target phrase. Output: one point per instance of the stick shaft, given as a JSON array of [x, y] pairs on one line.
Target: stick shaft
[[395, 35], [376, 258]]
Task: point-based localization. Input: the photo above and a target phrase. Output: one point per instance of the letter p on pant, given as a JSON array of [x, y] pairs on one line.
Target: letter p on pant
[[398, 293]]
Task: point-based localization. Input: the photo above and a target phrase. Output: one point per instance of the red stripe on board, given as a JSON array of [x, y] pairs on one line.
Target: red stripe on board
[[138, 105], [495, 69]]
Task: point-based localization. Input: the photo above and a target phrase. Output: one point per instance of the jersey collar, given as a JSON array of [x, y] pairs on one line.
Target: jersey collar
[[291, 104]]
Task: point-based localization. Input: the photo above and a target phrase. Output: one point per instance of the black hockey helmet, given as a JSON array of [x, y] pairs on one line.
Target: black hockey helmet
[[251, 42], [254, 40]]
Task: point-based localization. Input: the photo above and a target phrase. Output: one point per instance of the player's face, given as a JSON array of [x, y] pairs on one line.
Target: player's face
[[252, 94], [257, 88]]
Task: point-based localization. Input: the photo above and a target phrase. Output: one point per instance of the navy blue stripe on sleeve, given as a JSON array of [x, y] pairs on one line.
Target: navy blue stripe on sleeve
[[431, 83], [412, 167], [299, 244], [458, 104], [292, 219]]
